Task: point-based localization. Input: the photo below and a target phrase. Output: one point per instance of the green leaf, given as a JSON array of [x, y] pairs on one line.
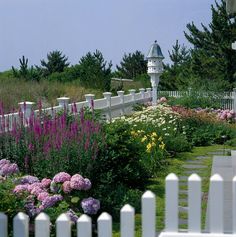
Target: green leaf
[[75, 200]]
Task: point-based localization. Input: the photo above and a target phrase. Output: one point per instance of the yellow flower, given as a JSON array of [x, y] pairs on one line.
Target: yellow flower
[[160, 139], [149, 147], [153, 139], [144, 139], [154, 134], [153, 144], [162, 146], [133, 133]]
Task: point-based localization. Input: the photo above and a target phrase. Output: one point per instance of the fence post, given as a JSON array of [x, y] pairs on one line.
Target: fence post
[[26, 108], [172, 191], [121, 94], [149, 90], [63, 102], [132, 92], [63, 226], [194, 204], [84, 226], [3, 225], [234, 205], [148, 214], [234, 96], [107, 96], [21, 225], [104, 225], [142, 91], [127, 221], [42, 225], [216, 211], [233, 157], [90, 99]]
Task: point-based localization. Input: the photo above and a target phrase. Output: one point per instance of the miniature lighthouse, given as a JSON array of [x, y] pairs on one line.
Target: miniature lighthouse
[[155, 68]]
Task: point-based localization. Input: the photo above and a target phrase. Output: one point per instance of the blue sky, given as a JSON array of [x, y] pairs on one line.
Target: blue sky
[[35, 27]]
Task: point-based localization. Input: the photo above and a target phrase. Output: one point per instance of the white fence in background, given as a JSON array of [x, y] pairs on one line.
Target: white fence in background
[[127, 215], [227, 100], [109, 106]]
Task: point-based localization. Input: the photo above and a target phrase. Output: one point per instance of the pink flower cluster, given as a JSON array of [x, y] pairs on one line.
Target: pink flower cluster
[[46, 193], [76, 182], [226, 114], [7, 168], [162, 100]]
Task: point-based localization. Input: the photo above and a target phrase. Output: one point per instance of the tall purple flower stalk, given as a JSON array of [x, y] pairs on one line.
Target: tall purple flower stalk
[[44, 134]]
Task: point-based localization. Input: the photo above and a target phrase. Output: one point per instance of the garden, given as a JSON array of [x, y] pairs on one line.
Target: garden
[[76, 163]]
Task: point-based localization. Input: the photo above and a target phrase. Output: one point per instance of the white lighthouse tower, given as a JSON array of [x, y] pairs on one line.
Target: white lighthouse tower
[[155, 68]]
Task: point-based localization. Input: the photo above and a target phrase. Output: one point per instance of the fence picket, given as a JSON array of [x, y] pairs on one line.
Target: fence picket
[[194, 204], [105, 225], [172, 190], [21, 225], [3, 225], [63, 226], [127, 221], [148, 214], [216, 204], [234, 205], [42, 225], [84, 226]]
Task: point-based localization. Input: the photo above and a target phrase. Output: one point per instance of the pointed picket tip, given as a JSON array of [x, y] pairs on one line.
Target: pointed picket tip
[[42, 217], [148, 194], [104, 216], [127, 208], [21, 216], [63, 217], [194, 177], [172, 177], [216, 177], [84, 218]]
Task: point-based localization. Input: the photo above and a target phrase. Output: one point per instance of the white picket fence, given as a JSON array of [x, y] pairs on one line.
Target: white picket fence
[[127, 215], [227, 99], [109, 106]]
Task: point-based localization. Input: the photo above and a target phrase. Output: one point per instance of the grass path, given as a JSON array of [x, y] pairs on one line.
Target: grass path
[[177, 166]]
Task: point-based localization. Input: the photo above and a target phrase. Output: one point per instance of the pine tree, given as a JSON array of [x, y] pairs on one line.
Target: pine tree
[[213, 60], [94, 71], [56, 62], [132, 65]]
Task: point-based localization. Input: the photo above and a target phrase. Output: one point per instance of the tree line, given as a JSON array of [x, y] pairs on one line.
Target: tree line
[[210, 63]]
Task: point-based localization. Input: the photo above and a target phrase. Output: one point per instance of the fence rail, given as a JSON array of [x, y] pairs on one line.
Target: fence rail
[[227, 99], [109, 106], [148, 202]]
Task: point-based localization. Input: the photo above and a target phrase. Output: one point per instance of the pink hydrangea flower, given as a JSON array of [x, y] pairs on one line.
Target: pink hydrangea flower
[[66, 187], [21, 188], [77, 182], [61, 177], [34, 185], [36, 191], [42, 196], [46, 182]]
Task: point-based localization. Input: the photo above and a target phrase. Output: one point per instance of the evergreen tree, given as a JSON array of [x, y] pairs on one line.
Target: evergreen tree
[[213, 60], [56, 62], [25, 72], [132, 65], [176, 75], [94, 71]]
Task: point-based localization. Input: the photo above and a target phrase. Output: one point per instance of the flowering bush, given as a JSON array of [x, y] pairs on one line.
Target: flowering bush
[[47, 193]]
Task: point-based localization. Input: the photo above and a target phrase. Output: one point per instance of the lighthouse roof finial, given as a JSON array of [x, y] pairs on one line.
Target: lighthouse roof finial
[[155, 51]]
